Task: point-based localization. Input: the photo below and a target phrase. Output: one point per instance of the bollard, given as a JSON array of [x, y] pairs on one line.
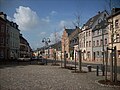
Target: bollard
[[46, 62], [103, 69], [89, 68], [97, 71]]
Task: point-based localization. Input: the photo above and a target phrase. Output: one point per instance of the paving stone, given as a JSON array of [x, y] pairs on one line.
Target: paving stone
[[47, 77]]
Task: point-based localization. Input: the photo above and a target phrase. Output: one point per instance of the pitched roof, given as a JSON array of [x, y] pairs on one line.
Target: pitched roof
[[69, 31], [91, 21], [102, 24], [115, 11]]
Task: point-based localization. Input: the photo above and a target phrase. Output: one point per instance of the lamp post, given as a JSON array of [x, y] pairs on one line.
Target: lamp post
[[103, 68], [102, 26], [46, 41]]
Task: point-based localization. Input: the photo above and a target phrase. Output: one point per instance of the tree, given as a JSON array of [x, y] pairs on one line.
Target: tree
[[77, 25], [57, 39], [77, 20]]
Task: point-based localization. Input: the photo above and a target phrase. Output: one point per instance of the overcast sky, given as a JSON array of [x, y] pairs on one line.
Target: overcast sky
[[42, 18]]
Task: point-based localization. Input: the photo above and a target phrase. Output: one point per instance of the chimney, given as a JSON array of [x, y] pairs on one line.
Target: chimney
[[115, 10], [2, 15], [98, 12], [76, 27]]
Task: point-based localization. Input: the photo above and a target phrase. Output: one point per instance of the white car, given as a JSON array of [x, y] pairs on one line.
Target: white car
[[23, 59]]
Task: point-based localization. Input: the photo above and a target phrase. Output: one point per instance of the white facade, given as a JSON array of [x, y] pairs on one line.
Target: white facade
[[14, 41], [85, 37], [116, 32], [100, 44]]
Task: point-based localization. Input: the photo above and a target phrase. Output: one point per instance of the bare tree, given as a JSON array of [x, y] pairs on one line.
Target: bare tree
[[112, 33], [57, 38], [76, 23]]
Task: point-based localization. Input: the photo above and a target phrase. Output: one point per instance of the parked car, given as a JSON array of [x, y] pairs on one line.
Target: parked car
[[24, 59]]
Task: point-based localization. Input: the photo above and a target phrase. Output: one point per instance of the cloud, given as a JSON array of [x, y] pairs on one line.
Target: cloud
[[9, 18], [26, 18], [65, 23], [43, 33], [53, 38], [62, 23], [53, 13], [47, 19]]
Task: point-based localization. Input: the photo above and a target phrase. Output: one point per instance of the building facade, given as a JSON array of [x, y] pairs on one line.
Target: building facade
[[25, 49], [86, 36], [14, 40], [100, 41], [114, 32], [74, 41], [4, 37], [66, 42]]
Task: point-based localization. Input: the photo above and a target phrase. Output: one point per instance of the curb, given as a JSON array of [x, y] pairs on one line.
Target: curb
[[96, 81]]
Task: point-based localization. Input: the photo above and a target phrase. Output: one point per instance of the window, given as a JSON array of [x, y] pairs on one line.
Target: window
[[99, 20], [97, 32], [89, 33], [105, 16], [1, 54], [7, 41], [97, 42], [1, 40], [88, 54], [86, 33], [105, 41], [75, 40], [93, 43], [89, 43], [117, 38], [93, 33], [97, 53], [116, 23], [84, 44], [101, 42], [72, 41], [7, 29], [2, 28]]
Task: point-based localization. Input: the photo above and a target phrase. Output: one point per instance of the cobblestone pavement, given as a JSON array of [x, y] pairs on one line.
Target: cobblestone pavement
[[47, 77]]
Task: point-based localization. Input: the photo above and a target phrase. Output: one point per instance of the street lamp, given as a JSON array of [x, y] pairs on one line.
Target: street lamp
[[102, 26], [46, 41]]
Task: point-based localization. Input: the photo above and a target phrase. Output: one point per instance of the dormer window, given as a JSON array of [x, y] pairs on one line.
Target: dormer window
[[116, 23], [104, 16], [99, 20]]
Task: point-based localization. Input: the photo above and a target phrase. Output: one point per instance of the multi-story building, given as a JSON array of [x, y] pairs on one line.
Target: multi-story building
[[9, 38], [25, 49], [85, 37], [12, 44], [114, 31], [66, 42], [14, 40], [74, 41], [100, 41], [4, 37]]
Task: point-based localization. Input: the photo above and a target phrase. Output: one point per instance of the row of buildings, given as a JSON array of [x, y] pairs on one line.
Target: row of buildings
[[12, 44], [92, 39]]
